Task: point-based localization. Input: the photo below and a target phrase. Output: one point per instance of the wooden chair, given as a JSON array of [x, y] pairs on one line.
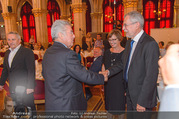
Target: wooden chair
[[99, 87], [39, 93], [2, 54], [36, 56], [89, 61]]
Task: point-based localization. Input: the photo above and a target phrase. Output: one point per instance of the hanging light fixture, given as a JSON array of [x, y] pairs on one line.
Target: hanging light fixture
[[160, 12]]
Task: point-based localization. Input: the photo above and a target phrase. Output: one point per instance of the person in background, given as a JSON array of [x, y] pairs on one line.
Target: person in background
[[32, 42], [115, 86], [99, 41], [40, 47], [169, 66], [119, 25], [50, 44], [139, 64], [64, 74], [162, 49], [87, 49], [95, 67], [8, 107], [19, 69], [106, 43], [77, 49], [89, 40], [168, 44]]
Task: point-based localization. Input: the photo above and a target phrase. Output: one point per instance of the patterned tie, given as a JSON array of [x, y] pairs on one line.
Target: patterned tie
[[127, 63]]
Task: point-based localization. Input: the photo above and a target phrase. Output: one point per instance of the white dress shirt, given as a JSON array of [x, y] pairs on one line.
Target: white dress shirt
[[136, 39], [12, 54]]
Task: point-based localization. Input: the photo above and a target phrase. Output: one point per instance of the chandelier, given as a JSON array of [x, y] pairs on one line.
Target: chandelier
[[110, 16], [160, 12]]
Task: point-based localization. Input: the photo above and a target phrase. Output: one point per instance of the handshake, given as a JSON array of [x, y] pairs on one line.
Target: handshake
[[105, 74]]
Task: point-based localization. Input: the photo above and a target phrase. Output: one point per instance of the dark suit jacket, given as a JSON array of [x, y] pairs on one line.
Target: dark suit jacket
[[143, 71], [63, 75], [96, 65], [22, 71]]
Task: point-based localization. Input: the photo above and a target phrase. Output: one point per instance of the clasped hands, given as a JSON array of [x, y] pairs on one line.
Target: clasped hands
[[105, 74]]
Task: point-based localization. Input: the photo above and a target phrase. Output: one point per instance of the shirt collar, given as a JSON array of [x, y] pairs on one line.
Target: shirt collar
[[137, 37], [61, 43], [17, 48]]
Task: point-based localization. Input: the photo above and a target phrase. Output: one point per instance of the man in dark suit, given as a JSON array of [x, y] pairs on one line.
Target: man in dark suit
[[19, 69], [63, 72], [140, 65], [95, 67]]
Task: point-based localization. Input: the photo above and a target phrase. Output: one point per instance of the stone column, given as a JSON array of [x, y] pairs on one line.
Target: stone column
[[19, 27], [9, 22], [176, 14], [96, 19], [79, 11], [140, 6], [130, 5], [41, 26]]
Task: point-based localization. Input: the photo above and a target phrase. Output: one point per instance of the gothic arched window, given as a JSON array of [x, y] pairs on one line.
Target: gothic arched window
[[149, 15], [108, 19], [28, 22], [167, 13], [53, 14], [113, 10], [88, 17]]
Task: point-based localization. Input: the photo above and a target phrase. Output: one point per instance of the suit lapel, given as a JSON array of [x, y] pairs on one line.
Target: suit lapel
[[6, 59], [16, 57], [127, 50], [138, 47]]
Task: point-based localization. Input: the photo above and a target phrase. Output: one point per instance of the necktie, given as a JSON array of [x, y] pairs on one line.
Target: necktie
[[127, 63]]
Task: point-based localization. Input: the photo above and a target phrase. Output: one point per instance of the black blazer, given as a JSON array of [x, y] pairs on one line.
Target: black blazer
[[143, 71], [63, 75], [96, 65], [22, 71]]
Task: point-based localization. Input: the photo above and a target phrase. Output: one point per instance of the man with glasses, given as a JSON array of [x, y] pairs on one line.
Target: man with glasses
[[140, 65]]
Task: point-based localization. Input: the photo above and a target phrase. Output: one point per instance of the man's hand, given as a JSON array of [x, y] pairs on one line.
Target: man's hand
[[169, 65], [1, 88], [28, 91], [140, 108], [105, 74]]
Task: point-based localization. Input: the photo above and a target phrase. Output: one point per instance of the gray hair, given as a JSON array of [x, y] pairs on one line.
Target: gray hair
[[15, 33], [135, 16], [59, 26]]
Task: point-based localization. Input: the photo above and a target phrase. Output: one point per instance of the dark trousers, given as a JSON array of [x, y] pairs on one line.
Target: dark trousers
[[132, 112]]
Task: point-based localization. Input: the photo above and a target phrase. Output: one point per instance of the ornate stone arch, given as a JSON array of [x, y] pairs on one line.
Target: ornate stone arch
[[63, 7], [92, 5], [19, 6]]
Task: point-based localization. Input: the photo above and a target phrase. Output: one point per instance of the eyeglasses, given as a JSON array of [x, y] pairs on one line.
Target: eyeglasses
[[110, 40], [125, 25]]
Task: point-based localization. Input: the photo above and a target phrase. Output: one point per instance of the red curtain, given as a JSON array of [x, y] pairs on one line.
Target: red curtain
[[108, 19], [88, 17], [28, 22], [49, 24], [53, 14], [149, 16], [166, 17], [25, 29], [108, 8], [120, 14]]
